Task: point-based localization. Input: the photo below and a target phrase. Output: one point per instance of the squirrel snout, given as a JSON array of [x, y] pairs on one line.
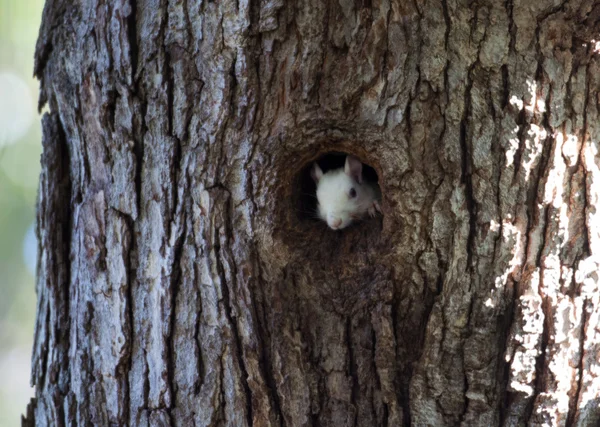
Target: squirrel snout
[[335, 222]]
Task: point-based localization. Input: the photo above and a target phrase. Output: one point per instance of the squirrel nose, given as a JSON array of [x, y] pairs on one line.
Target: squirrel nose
[[335, 223]]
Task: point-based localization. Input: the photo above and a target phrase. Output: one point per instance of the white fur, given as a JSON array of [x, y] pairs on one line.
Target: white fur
[[335, 206]]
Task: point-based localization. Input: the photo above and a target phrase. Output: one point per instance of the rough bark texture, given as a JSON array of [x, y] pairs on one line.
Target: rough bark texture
[[180, 282]]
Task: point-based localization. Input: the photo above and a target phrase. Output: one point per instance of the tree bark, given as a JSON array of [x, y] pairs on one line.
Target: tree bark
[[180, 282]]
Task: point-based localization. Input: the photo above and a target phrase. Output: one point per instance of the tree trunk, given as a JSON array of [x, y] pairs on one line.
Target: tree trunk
[[181, 282]]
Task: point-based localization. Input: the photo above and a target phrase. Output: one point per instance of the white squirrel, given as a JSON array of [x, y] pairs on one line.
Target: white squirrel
[[343, 195]]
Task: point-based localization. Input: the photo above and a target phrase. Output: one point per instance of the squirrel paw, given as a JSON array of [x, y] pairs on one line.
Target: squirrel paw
[[374, 208]]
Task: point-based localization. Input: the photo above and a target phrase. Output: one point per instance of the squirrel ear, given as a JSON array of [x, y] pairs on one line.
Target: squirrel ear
[[316, 173], [353, 168]]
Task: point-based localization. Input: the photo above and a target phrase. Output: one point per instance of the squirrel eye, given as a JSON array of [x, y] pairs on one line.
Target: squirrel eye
[[352, 193]]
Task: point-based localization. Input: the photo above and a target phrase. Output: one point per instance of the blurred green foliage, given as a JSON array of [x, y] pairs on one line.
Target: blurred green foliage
[[19, 171]]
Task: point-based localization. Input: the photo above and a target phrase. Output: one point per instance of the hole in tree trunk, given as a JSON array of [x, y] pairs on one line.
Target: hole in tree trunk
[[306, 199], [346, 265]]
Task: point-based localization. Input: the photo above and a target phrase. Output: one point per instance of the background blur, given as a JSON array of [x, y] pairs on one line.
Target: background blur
[[20, 149]]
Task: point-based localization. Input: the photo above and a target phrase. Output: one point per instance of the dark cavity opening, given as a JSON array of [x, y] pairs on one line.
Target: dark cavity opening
[[306, 202]]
